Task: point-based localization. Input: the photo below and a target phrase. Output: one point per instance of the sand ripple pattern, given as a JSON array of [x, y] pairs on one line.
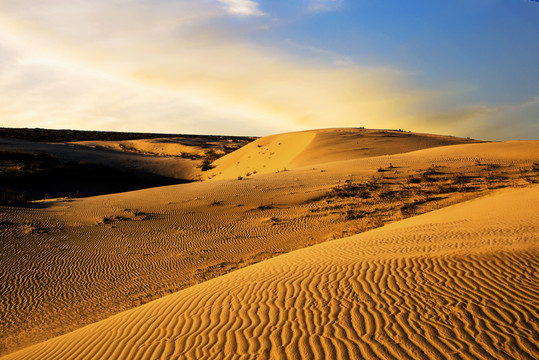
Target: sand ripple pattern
[[457, 283]]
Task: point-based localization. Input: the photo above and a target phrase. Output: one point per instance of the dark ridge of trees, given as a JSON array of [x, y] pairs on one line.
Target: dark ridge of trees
[[48, 135]]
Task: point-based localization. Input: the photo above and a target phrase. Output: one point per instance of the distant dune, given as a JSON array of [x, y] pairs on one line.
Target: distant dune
[[306, 148], [159, 160], [437, 285], [460, 282]]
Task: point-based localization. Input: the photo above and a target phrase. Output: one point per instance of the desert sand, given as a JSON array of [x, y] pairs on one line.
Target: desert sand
[[458, 282]]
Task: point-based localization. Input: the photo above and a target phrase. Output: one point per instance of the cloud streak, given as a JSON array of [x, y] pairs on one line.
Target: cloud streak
[[242, 7], [325, 5]]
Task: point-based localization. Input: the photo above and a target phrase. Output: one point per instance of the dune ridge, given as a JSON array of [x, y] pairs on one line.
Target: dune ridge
[[66, 263], [288, 151], [460, 282]]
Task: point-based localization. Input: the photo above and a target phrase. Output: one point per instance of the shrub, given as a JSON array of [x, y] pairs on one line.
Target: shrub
[[459, 179], [350, 189], [352, 214], [408, 209], [275, 219], [413, 180], [206, 164], [13, 197]]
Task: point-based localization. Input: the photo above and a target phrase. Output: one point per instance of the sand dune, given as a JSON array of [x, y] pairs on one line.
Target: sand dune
[[68, 263], [460, 282], [192, 145], [150, 165], [307, 148]]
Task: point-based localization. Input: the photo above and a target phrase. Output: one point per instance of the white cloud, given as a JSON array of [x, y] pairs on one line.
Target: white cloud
[[325, 5], [334, 57], [242, 7]]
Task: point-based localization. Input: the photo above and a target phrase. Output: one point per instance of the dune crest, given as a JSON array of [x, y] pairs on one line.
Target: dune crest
[[460, 282], [294, 150]]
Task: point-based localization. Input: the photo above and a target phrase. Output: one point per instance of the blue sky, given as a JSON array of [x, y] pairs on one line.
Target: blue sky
[[466, 68], [492, 45]]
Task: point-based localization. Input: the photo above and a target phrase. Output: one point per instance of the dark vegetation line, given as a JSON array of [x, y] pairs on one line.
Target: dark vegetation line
[[48, 135], [25, 177]]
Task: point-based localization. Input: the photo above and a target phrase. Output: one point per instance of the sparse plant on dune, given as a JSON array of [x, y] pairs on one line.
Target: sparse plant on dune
[[492, 179], [353, 214], [13, 197], [408, 209], [413, 180], [380, 197], [528, 175], [459, 179], [206, 165], [492, 167]]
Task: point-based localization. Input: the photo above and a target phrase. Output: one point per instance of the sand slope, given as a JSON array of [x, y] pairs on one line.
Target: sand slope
[[307, 148], [457, 283], [68, 263], [151, 165]]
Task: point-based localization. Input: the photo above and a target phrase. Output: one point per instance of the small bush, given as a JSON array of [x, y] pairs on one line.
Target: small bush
[[275, 219], [492, 167], [350, 189], [459, 179], [413, 180], [206, 164], [352, 214], [408, 209], [492, 178], [13, 197]]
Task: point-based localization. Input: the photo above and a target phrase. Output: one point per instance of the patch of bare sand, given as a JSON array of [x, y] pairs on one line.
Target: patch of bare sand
[[460, 282], [266, 155]]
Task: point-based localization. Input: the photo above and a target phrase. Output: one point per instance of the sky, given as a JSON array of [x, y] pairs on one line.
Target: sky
[[247, 67]]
